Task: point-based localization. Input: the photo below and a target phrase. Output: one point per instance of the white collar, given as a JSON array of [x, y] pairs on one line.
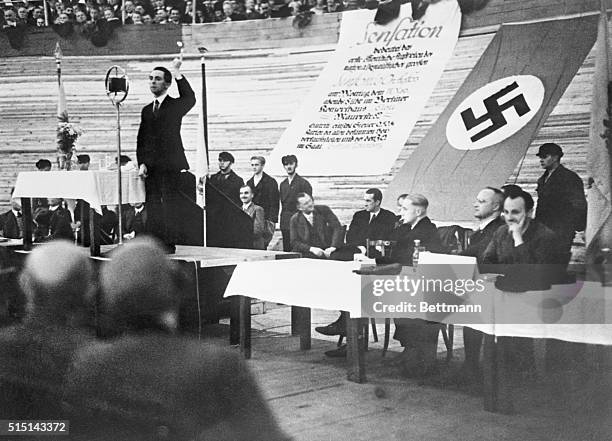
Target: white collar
[[138, 210], [53, 208], [246, 206], [160, 99], [15, 212], [483, 223]]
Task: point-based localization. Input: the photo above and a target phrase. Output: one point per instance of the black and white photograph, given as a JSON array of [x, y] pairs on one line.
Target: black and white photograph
[[337, 220]]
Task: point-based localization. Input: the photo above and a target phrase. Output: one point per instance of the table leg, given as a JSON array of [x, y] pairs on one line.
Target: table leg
[[497, 376], [489, 370], [26, 209], [235, 320], [84, 208], [294, 321], [94, 233], [301, 320], [355, 350], [245, 326]]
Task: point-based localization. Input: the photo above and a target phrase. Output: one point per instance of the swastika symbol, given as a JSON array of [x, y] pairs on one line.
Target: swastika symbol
[[494, 112]]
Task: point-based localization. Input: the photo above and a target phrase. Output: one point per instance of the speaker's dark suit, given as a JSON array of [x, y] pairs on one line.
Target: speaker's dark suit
[[160, 148], [324, 232], [9, 225]]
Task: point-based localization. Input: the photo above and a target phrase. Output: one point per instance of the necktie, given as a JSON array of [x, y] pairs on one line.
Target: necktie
[[155, 108], [372, 218]]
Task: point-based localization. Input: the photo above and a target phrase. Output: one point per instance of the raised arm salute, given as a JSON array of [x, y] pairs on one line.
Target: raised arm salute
[[160, 152]]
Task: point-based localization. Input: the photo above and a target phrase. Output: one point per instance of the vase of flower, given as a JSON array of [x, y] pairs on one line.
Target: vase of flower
[[67, 134]]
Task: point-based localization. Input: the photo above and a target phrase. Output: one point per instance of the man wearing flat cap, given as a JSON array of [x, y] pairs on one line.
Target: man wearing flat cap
[[160, 152], [226, 180], [561, 201]]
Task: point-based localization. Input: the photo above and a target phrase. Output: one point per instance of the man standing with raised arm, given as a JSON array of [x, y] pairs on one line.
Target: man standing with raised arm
[[160, 152]]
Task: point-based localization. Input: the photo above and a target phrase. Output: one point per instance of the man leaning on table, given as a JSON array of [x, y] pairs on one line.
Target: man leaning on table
[[528, 255]]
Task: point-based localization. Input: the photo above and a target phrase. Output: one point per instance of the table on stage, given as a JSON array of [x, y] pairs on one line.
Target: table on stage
[[332, 285], [95, 188]]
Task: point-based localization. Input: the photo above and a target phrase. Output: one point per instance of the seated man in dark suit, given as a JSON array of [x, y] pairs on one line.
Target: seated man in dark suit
[[11, 222], [373, 223], [522, 243], [150, 383], [487, 210], [315, 230], [54, 223], [134, 220], [260, 234], [529, 255], [418, 337], [58, 282]]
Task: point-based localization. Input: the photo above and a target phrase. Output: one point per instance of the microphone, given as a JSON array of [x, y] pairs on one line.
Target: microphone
[[117, 84]]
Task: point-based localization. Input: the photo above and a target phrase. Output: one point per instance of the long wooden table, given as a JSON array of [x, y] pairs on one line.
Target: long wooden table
[[330, 285]]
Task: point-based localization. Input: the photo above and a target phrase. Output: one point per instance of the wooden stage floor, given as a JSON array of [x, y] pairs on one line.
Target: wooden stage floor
[[312, 399]]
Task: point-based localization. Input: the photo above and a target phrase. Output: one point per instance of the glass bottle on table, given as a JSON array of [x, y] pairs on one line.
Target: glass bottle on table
[[415, 253]]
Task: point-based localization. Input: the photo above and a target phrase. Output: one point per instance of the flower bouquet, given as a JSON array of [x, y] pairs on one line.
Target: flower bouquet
[[67, 134]]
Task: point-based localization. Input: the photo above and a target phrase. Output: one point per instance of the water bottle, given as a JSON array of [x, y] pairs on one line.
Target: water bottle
[[415, 254]]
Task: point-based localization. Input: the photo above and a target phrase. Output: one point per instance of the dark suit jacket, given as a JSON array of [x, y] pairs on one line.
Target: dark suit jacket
[[266, 195], [159, 145], [561, 202], [54, 225], [479, 240], [325, 231], [529, 265], [540, 246], [132, 222], [229, 185], [9, 225], [405, 235], [259, 226], [361, 228], [288, 198]]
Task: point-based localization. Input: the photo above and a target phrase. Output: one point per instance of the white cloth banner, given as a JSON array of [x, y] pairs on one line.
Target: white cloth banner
[[361, 110]]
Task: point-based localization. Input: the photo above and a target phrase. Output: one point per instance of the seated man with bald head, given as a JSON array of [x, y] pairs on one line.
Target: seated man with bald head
[[149, 383], [57, 281], [315, 230]]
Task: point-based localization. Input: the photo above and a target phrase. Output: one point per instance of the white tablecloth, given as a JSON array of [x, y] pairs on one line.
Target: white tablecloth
[[95, 187], [332, 285]]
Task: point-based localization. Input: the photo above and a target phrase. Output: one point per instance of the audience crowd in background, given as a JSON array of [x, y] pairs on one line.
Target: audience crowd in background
[[84, 15]]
